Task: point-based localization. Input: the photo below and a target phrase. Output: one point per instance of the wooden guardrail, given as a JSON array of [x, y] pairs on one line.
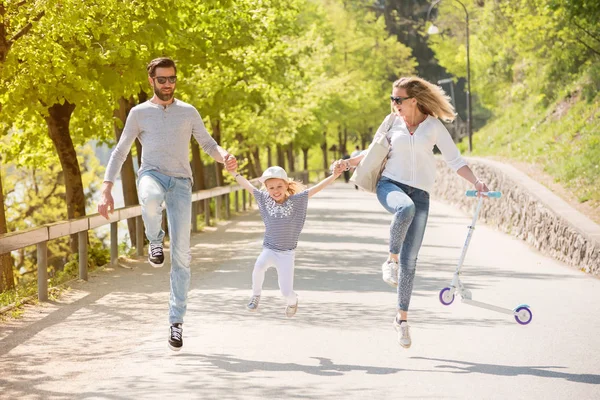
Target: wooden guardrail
[[40, 236]]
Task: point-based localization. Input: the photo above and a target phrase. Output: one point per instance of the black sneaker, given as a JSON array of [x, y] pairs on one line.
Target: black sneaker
[[156, 257], [176, 337]]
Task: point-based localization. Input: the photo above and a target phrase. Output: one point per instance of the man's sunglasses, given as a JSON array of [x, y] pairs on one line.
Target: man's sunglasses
[[399, 100], [163, 79]]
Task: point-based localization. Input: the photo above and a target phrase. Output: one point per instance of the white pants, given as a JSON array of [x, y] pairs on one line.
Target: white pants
[[283, 261]]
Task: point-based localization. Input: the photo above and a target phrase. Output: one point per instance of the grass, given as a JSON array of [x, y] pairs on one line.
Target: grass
[[564, 139]]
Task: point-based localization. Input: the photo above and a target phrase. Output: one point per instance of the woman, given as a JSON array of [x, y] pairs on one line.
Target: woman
[[408, 178]]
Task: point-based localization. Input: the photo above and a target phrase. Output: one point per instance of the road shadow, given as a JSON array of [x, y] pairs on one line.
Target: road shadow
[[325, 367], [467, 367]]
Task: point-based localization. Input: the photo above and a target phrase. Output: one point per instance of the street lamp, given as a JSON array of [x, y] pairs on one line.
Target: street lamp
[[433, 30]]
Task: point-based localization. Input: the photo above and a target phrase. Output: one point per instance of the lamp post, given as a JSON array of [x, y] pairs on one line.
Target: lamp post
[[451, 82], [434, 30]]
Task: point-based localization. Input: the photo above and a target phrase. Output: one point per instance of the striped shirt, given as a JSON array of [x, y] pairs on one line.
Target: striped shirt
[[283, 222]]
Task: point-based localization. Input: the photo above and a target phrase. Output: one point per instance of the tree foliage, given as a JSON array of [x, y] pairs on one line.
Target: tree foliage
[[536, 66], [263, 73]]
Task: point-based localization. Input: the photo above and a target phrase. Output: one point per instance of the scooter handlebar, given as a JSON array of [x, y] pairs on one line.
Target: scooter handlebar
[[473, 193]]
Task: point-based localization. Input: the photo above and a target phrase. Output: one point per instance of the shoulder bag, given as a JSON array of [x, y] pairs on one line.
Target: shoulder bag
[[368, 172]]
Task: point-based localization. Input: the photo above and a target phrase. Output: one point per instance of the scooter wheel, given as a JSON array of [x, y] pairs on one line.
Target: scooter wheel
[[523, 315], [446, 296]]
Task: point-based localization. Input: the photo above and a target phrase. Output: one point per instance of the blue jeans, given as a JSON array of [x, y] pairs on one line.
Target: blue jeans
[[154, 190], [410, 207]]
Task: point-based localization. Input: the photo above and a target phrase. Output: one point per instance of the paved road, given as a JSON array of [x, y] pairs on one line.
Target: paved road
[[106, 339]]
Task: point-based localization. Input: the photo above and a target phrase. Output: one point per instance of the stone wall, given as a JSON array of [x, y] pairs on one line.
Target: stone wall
[[526, 210]]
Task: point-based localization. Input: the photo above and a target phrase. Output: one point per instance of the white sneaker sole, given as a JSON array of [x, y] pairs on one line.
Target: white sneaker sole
[[174, 348], [390, 282], [156, 265]]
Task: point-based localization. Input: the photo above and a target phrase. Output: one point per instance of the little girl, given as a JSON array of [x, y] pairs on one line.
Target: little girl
[[282, 207]]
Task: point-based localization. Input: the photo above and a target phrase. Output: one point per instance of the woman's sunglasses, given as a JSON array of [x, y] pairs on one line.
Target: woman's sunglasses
[[399, 100]]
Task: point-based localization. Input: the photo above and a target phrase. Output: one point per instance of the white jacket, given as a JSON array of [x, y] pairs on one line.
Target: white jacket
[[411, 159]]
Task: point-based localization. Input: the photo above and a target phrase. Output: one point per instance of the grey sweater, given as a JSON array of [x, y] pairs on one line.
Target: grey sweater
[[165, 134]]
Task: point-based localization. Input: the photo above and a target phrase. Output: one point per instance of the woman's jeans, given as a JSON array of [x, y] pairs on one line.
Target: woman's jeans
[[154, 190], [410, 207]]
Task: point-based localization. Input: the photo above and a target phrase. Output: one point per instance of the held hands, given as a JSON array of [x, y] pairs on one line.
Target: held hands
[[338, 167], [344, 165], [230, 163]]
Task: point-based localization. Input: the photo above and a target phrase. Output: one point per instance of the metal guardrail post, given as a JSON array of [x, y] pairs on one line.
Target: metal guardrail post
[[83, 255], [42, 264], [194, 217], [227, 206], [207, 212], [218, 205], [139, 235], [114, 243]]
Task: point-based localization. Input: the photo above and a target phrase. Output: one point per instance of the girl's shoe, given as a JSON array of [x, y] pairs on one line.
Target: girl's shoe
[[290, 311], [253, 305]]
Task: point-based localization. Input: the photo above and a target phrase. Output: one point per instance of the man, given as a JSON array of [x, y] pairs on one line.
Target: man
[[164, 126], [356, 151]]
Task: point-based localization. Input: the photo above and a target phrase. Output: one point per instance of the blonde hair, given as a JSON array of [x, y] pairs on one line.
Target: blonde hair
[[431, 99], [294, 187]]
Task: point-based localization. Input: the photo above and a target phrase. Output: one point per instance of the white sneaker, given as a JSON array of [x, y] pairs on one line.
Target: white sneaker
[[290, 311], [389, 270], [403, 333], [253, 305]]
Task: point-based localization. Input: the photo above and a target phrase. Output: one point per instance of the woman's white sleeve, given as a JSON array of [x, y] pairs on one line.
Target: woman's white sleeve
[[448, 148]]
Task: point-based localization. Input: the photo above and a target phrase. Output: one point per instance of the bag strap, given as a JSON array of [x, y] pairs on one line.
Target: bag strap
[[389, 127]]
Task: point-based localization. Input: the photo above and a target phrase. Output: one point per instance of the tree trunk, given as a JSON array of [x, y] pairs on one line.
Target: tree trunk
[[197, 173], [305, 153], [340, 143], [280, 156], [7, 278], [216, 128], [250, 166], [364, 141], [4, 39], [142, 97], [290, 155], [269, 156], [58, 129], [324, 149], [127, 172], [257, 166]]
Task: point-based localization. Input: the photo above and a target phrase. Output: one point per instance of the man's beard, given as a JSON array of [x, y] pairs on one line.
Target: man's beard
[[164, 96]]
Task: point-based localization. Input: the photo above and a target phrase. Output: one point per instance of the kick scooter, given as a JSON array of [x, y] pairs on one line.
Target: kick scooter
[[522, 313]]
